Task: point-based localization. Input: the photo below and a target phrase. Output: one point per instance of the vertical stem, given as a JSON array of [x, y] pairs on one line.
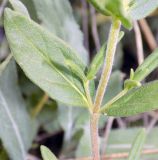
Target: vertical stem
[[110, 53], [139, 43], [94, 136]]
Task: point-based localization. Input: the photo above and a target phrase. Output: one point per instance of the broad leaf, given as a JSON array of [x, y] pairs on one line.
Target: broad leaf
[[139, 100], [57, 17], [42, 56], [17, 129], [137, 146], [47, 154], [142, 8]]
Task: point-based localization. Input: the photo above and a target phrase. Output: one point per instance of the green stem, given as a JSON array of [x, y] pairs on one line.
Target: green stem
[[110, 53]]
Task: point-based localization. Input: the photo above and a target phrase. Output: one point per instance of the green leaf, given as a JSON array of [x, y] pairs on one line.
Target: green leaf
[[19, 7], [150, 63], [138, 100], [121, 35], [17, 129], [96, 63], [47, 154], [120, 141], [116, 8], [57, 17], [100, 6], [142, 8], [42, 57], [84, 149], [76, 70], [137, 146]]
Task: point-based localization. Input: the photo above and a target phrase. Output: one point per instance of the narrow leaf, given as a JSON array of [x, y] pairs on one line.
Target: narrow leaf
[[142, 8], [19, 7], [47, 154], [137, 146], [17, 129], [150, 63], [42, 57], [96, 63], [138, 100]]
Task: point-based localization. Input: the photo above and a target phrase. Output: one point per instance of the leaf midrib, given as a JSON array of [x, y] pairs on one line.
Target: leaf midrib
[[14, 125], [48, 61]]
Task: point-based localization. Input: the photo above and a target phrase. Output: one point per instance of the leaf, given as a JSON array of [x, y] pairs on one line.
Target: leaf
[[120, 141], [116, 8], [47, 154], [142, 8], [84, 149], [136, 101], [19, 7], [119, 9], [17, 129], [150, 63], [137, 146], [76, 70], [42, 57], [57, 17], [96, 63], [71, 119]]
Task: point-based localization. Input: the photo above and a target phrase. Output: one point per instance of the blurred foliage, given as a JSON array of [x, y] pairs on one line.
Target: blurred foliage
[[74, 122]]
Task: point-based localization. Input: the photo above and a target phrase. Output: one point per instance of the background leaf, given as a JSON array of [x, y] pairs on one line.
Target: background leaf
[[47, 154], [18, 128], [57, 17], [137, 146], [142, 8]]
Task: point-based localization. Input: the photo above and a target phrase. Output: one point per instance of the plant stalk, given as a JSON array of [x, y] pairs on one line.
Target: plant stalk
[[95, 136], [110, 53]]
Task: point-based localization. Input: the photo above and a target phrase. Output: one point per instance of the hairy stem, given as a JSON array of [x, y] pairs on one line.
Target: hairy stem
[[94, 136], [110, 52]]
